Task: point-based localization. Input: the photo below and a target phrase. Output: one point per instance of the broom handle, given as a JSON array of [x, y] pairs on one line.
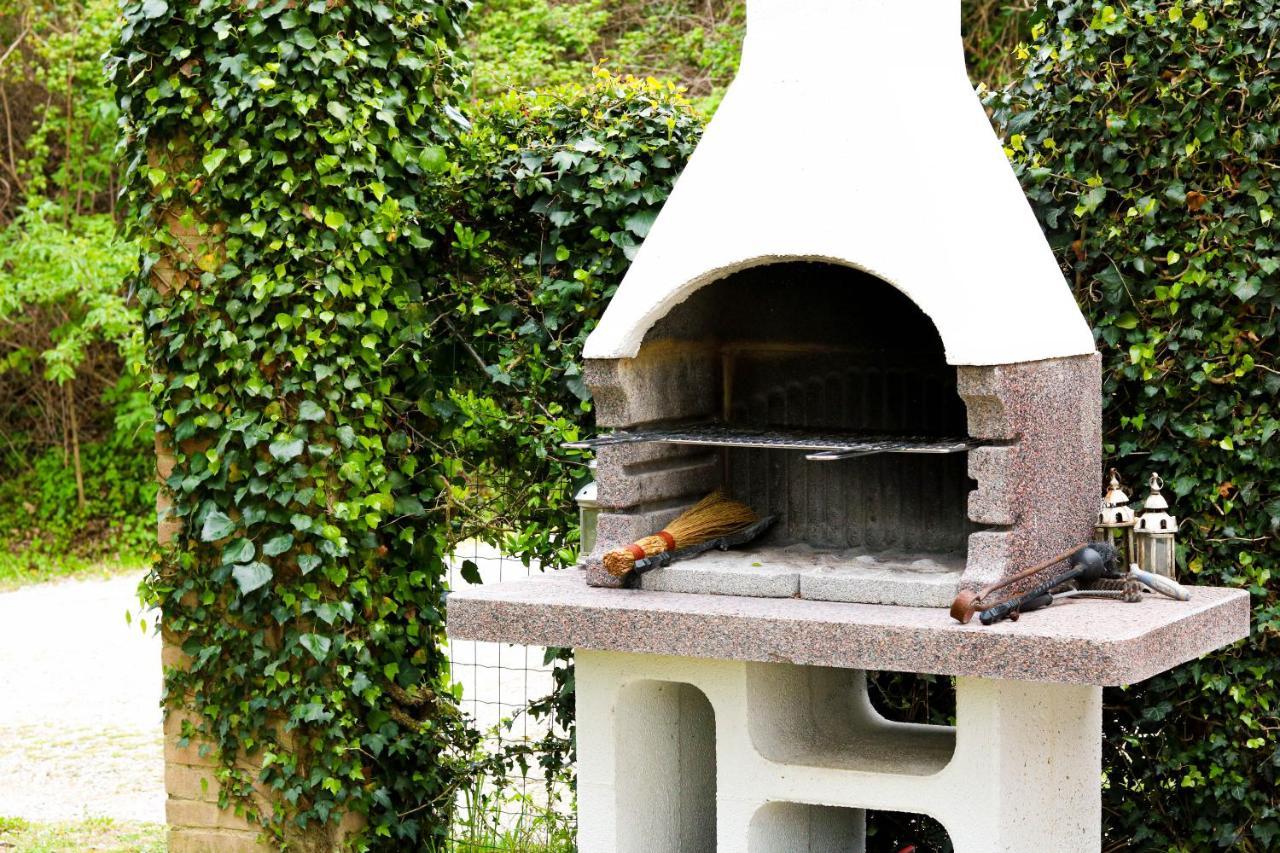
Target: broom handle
[[724, 543]]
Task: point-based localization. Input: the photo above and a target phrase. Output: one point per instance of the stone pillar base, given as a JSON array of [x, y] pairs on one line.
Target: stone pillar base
[[682, 755]]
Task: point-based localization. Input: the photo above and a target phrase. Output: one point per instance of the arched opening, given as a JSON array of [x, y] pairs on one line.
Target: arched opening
[[666, 753], [821, 347]]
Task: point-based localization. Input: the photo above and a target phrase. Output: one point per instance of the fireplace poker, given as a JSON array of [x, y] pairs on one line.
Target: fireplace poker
[[969, 602], [1093, 562], [1101, 559]]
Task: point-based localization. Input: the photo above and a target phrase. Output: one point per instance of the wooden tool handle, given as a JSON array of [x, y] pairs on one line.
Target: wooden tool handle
[[1160, 583]]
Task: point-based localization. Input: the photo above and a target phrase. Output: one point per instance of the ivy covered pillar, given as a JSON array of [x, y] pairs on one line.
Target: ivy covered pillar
[[285, 162]]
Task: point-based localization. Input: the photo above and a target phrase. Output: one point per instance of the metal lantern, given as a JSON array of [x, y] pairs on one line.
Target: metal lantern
[[1156, 534], [588, 513], [1115, 520]]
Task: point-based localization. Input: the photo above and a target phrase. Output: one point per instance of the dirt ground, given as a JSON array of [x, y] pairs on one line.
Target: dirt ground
[[80, 719]]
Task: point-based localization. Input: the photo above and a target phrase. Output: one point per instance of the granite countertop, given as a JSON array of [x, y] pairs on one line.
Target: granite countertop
[[1075, 641]]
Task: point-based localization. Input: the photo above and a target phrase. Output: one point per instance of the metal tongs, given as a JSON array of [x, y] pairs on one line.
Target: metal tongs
[[1130, 590]]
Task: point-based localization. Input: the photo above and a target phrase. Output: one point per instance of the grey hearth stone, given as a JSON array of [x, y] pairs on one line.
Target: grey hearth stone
[[915, 580], [727, 573], [912, 581]]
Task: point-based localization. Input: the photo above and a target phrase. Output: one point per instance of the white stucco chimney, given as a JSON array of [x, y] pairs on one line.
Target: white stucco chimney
[[853, 135]]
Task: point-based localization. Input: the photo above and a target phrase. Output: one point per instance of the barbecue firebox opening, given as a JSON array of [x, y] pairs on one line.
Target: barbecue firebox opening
[[820, 348]]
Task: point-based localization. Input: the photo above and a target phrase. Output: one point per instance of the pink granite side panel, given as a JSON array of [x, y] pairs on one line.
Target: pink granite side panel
[[643, 486], [1041, 482], [1075, 641]]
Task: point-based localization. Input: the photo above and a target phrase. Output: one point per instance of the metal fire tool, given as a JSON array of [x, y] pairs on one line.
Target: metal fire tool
[[1129, 593], [1093, 562], [969, 602]]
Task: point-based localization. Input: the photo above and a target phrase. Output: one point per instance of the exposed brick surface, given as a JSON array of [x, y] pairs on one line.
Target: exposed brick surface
[[193, 840], [190, 783], [197, 813]]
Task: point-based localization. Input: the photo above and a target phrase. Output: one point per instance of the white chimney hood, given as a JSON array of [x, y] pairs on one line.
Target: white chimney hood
[[852, 135]]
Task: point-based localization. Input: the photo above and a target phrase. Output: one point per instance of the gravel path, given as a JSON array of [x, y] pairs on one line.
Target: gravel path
[[80, 717], [79, 704]]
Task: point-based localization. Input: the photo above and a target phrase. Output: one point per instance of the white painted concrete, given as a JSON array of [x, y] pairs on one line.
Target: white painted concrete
[[797, 754], [852, 135]]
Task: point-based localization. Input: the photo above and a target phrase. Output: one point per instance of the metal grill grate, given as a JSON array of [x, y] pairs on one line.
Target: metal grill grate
[[818, 446]]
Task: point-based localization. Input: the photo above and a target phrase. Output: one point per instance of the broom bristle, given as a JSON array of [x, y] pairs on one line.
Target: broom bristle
[[713, 516]]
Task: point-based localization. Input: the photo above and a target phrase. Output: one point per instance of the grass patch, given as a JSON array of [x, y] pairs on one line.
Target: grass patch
[[14, 574], [99, 833]]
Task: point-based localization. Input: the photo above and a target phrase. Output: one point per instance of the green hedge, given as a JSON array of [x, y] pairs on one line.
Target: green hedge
[[1146, 135], [555, 191]]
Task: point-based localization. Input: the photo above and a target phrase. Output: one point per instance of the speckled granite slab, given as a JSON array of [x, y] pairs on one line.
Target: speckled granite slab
[[1075, 641]]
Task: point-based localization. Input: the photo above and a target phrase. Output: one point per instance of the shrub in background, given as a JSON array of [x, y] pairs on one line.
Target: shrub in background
[[75, 428], [1146, 137], [555, 191], [75, 483]]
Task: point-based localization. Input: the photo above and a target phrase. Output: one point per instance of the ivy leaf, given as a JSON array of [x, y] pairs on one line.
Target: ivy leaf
[[433, 159], [338, 111], [310, 411], [216, 526], [334, 219], [316, 644], [640, 223], [251, 576], [285, 449], [307, 563], [214, 159], [304, 38], [152, 9], [470, 572], [277, 545], [1246, 288], [239, 551]]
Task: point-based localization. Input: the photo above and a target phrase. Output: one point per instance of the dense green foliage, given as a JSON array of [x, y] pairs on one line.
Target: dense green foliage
[[565, 185], [537, 44], [1146, 136], [56, 105], [67, 330], [285, 166], [557, 191], [74, 425]]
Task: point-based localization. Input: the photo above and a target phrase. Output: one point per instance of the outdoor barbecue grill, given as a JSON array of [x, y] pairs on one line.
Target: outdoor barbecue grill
[[849, 320], [820, 394]]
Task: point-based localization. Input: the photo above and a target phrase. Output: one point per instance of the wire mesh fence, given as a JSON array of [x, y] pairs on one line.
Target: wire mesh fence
[[510, 808]]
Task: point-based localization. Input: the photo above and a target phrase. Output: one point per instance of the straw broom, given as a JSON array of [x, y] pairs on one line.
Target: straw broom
[[710, 518]]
